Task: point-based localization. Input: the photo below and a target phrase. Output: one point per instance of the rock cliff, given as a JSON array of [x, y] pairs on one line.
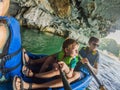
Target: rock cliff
[[78, 19]]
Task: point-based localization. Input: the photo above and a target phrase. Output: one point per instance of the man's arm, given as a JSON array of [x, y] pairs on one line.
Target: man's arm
[[93, 68]]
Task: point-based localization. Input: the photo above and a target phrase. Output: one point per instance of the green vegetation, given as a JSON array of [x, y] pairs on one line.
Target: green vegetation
[[110, 45]]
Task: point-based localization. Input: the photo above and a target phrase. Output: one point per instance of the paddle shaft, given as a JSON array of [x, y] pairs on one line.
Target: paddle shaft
[[66, 85], [94, 76]]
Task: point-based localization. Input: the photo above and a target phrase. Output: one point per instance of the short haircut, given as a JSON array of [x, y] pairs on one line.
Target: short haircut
[[69, 42], [93, 39]]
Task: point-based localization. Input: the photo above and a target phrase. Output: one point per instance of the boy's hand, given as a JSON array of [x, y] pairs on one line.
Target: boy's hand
[[63, 66]]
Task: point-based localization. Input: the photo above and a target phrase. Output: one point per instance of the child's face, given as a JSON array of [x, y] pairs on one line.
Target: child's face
[[72, 50]]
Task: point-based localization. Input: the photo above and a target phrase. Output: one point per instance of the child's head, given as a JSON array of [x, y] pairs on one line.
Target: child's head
[[93, 43], [70, 47]]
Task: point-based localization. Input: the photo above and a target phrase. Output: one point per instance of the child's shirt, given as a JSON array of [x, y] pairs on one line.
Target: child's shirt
[[71, 62]]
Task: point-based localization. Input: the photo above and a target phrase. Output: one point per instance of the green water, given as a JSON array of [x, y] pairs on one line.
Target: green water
[[40, 43]]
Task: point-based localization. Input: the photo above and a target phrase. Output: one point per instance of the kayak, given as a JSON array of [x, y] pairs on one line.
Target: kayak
[[10, 56], [79, 84]]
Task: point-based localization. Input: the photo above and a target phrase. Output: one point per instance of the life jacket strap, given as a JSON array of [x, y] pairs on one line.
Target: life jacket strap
[[6, 70], [5, 58]]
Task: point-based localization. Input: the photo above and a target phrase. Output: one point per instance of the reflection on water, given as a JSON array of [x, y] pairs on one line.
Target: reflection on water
[[109, 73], [38, 42]]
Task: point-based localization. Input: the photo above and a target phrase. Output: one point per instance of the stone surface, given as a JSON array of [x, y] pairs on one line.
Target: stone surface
[[84, 17]]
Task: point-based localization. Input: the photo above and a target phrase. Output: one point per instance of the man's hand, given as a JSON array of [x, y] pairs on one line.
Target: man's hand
[[85, 61]]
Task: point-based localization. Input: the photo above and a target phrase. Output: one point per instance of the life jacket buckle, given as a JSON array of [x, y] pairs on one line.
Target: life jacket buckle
[[6, 57]]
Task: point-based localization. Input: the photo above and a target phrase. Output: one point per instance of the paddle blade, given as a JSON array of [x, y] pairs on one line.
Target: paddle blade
[[102, 87]]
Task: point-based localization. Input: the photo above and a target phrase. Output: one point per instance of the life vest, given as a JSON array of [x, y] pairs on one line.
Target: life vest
[[67, 59], [93, 52], [10, 57]]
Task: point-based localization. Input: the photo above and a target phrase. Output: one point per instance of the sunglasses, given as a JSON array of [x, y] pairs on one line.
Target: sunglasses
[[95, 44]]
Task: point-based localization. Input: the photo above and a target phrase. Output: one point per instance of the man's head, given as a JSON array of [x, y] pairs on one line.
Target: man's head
[[93, 43], [70, 47], [4, 5]]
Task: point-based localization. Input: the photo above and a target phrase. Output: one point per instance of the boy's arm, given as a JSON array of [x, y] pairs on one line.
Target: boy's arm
[[72, 66], [70, 73], [66, 69]]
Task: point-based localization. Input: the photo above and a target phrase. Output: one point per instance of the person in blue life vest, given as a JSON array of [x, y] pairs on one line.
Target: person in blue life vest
[[10, 44], [67, 58], [89, 55]]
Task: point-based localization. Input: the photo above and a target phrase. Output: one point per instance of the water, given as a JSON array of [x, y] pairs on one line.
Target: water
[[109, 73], [38, 42]]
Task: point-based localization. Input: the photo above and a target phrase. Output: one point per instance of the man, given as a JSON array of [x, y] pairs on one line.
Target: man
[[89, 55]]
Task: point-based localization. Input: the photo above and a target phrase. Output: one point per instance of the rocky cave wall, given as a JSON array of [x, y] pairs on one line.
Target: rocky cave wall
[[78, 19]]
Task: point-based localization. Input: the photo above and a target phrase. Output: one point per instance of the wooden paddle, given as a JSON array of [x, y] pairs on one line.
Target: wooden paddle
[[101, 87], [66, 85]]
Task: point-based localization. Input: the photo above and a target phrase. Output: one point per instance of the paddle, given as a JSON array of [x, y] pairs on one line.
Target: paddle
[[66, 85], [101, 87]]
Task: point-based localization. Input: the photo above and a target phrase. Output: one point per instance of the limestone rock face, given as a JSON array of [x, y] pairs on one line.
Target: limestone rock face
[[68, 17], [36, 16], [62, 8]]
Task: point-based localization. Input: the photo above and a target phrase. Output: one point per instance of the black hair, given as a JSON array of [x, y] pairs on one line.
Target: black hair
[[93, 39]]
